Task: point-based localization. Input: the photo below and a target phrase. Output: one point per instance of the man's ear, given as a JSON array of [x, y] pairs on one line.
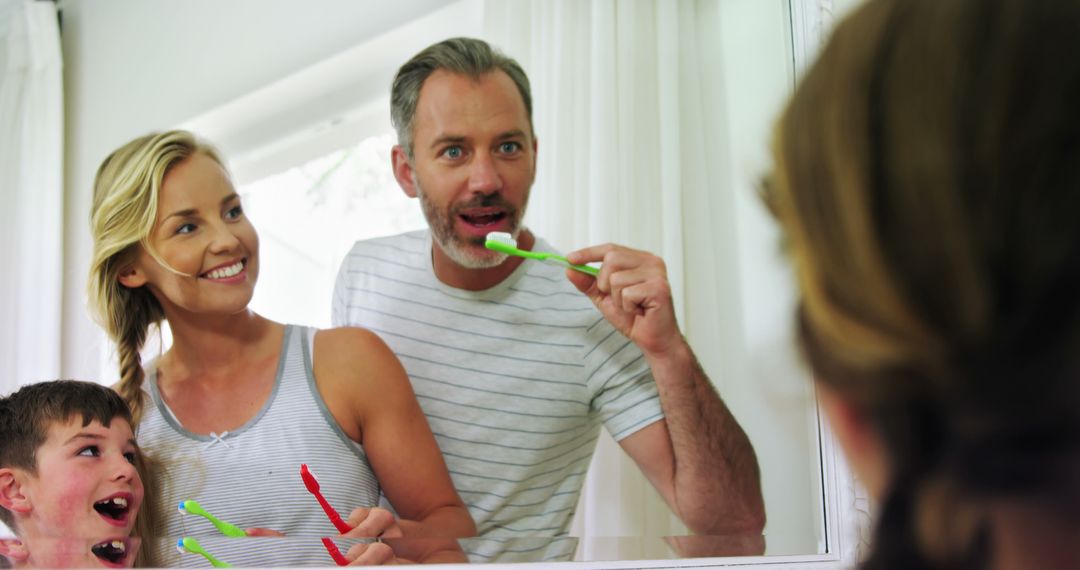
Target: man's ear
[[12, 497], [131, 277], [403, 170], [14, 550]]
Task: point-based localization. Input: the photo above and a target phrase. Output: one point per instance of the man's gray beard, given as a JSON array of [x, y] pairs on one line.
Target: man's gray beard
[[457, 249]]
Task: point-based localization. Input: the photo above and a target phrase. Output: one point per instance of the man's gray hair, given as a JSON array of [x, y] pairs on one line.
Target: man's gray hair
[[465, 56]]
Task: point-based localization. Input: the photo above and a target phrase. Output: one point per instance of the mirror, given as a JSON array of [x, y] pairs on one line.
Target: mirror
[[282, 85]]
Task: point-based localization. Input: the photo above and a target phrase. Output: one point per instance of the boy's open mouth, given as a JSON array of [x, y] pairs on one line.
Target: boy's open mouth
[[115, 508], [113, 551]]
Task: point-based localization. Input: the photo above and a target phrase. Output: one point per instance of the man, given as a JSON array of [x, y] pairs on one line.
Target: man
[[514, 367]]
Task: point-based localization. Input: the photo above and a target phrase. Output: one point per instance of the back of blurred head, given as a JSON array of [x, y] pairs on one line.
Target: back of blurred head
[[928, 186]]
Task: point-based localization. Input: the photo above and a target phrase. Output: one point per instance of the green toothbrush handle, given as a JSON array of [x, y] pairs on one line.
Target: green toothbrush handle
[[227, 529], [582, 268], [193, 545]]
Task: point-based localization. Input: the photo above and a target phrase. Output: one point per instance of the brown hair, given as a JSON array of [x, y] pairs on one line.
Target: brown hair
[[928, 185]]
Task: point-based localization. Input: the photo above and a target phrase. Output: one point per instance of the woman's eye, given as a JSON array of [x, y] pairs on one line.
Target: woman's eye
[[234, 213], [185, 228], [130, 456], [90, 451]]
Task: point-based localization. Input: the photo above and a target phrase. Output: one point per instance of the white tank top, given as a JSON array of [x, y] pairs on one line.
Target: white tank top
[[250, 476]]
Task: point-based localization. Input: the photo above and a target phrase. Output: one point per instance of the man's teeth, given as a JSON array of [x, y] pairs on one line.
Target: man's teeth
[[225, 272]]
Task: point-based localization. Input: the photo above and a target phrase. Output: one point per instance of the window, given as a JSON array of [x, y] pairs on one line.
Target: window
[[309, 216]]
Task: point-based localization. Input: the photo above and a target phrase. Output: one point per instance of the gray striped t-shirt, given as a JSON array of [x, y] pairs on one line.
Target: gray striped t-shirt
[[250, 476], [515, 381]]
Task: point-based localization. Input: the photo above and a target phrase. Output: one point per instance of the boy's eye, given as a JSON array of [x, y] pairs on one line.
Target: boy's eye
[[234, 213], [90, 451]]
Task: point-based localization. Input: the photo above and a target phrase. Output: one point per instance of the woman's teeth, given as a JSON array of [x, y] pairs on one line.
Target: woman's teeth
[[226, 272]]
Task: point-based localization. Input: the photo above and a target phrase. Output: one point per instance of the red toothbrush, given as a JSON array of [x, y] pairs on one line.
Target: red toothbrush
[[313, 487], [332, 548]]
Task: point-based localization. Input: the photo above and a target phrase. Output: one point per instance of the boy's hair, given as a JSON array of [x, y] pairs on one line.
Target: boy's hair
[[27, 414]]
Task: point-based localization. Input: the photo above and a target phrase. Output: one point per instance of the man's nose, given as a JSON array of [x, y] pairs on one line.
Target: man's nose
[[484, 177]]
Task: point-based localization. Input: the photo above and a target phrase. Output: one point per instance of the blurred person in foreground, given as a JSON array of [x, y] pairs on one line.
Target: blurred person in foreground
[[928, 186]]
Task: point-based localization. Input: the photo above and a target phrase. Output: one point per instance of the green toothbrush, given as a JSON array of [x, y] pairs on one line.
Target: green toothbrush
[[188, 544], [194, 508], [505, 243]]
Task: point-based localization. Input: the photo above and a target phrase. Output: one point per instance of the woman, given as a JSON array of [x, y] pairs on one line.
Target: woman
[[928, 186], [238, 402]]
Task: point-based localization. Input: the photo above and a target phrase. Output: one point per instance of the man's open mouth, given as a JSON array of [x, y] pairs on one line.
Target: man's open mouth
[[483, 219]]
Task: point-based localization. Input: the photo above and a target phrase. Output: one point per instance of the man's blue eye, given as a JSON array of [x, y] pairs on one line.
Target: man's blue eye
[[509, 147], [453, 152]]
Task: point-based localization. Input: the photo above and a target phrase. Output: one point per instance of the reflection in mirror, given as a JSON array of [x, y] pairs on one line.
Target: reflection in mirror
[[652, 120]]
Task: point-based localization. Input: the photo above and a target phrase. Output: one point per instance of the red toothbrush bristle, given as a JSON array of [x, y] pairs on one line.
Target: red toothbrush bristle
[[309, 480]]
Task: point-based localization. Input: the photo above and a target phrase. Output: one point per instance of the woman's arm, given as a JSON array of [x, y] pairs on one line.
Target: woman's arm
[[369, 394]]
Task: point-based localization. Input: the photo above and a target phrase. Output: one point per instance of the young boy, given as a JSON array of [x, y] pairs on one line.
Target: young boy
[[69, 487]]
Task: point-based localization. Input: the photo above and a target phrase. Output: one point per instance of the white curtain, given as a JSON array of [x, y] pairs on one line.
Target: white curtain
[[31, 189], [626, 154]]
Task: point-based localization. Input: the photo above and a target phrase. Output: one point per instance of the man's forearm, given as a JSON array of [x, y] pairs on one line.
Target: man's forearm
[[717, 486]]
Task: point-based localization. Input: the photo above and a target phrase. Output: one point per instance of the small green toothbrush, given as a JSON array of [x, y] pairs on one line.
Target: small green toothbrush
[[188, 544], [194, 508], [505, 243]]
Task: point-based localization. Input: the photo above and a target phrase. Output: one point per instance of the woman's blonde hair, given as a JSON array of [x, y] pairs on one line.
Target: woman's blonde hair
[[122, 217]]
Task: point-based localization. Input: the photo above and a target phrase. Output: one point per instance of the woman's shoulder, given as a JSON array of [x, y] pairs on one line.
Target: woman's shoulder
[[352, 348], [348, 337]]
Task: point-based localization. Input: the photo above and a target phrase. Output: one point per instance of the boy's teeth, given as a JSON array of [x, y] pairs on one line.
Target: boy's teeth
[[224, 272]]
